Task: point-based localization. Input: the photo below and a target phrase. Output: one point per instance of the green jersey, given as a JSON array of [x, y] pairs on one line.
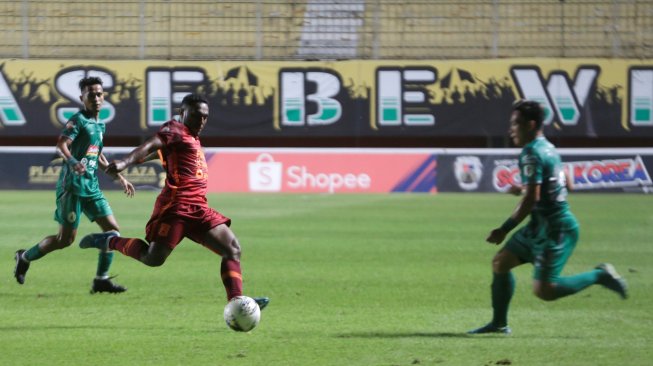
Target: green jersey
[[86, 134], [539, 163]]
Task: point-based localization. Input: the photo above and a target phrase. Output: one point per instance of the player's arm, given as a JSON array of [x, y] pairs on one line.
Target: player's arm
[[64, 151], [516, 190], [152, 156], [569, 180], [126, 185], [137, 156], [523, 209]]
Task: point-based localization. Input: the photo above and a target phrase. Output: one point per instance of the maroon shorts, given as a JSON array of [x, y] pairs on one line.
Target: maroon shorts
[[170, 223]]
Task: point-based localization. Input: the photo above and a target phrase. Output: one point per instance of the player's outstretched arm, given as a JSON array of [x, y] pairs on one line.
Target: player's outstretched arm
[[152, 156], [127, 186], [136, 156]]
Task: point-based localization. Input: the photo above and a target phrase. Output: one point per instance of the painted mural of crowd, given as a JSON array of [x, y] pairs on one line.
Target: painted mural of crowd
[[240, 94]]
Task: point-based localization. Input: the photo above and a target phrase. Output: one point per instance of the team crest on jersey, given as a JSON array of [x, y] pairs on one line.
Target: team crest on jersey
[[528, 170], [468, 171], [72, 217]]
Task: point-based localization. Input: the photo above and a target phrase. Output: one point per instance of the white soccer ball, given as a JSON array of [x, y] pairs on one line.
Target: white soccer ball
[[242, 314]]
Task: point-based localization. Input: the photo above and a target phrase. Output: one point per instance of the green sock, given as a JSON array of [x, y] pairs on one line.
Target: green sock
[[570, 285], [33, 253], [503, 287], [103, 264]]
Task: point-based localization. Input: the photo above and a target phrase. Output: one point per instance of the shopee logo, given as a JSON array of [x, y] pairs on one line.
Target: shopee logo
[[300, 178], [267, 175], [264, 174]]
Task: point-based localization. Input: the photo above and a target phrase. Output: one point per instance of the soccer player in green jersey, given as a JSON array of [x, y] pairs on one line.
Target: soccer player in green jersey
[[550, 236], [80, 146]]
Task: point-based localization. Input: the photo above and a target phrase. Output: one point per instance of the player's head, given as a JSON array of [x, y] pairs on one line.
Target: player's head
[[525, 121], [92, 94], [89, 81], [194, 112]]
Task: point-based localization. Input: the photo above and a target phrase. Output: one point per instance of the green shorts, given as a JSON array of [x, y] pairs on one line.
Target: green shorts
[[70, 206], [547, 248]]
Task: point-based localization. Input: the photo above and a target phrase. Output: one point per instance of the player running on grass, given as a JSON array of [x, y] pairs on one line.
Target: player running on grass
[[181, 209], [550, 236], [80, 145]]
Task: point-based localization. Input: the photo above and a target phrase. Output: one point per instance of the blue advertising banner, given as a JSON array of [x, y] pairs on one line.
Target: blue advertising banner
[[38, 168], [595, 170]]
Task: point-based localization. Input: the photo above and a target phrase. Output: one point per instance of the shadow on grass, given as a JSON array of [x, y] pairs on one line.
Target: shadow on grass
[[390, 335], [403, 335]]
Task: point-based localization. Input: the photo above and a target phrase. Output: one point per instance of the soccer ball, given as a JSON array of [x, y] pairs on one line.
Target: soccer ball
[[242, 314]]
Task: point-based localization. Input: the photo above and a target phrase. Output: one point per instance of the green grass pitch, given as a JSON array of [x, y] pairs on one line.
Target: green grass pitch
[[391, 279]]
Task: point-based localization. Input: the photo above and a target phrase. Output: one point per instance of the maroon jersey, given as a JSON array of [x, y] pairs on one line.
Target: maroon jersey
[[185, 165]]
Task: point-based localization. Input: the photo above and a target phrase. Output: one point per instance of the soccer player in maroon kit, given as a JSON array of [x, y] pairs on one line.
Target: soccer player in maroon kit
[[181, 209]]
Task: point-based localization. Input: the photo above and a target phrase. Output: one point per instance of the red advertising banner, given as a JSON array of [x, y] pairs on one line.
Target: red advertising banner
[[321, 171]]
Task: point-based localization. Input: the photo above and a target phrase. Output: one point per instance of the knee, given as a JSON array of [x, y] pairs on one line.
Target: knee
[[154, 262], [234, 249], [504, 261], [545, 292], [108, 223], [62, 242], [499, 265]]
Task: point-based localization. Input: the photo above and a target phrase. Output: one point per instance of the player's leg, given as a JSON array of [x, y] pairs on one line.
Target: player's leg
[[102, 281], [222, 241], [64, 238], [164, 231], [502, 290], [153, 254], [548, 285], [67, 214], [163, 235], [612, 280], [98, 210], [516, 252], [503, 285], [105, 256]]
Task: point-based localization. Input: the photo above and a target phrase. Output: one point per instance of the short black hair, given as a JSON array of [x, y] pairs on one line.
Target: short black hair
[[530, 110], [193, 99], [88, 81]]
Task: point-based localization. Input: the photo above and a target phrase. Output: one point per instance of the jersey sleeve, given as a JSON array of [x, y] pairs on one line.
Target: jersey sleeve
[[531, 168], [72, 127], [168, 133]]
